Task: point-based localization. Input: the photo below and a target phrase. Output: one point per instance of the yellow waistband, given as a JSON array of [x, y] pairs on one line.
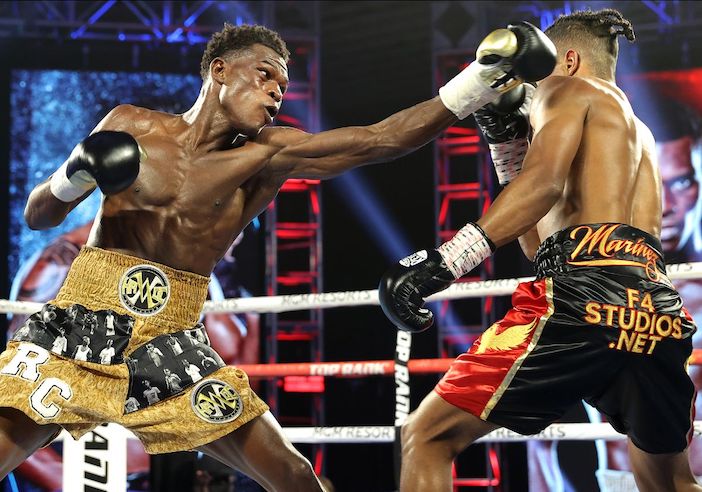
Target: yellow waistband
[[101, 279]]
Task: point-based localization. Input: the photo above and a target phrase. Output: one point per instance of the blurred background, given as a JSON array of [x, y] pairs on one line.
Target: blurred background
[[65, 64]]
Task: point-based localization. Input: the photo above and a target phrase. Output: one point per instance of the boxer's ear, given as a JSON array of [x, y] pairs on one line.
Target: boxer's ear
[[572, 61], [217, 67]]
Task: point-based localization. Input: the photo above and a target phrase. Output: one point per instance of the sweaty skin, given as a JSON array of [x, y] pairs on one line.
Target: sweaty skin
[[590, 161], [196, 191], [198, 188], [603, 168]]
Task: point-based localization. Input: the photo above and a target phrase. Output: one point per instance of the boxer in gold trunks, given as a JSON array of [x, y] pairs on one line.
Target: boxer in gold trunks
[[601, 322], [178, 189]]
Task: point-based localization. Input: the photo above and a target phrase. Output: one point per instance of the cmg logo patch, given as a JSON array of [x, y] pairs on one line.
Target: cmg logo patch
[[216, 401], [144, 290]]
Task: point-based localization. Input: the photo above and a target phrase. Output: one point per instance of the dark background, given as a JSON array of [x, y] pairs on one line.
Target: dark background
[[376, 59]]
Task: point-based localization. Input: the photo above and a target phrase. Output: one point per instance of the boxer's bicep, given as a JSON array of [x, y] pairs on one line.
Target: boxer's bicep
[[326, 154]]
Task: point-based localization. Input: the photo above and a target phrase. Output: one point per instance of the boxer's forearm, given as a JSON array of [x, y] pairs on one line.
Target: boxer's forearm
[[44, 210], [520, 206], [411, 128]]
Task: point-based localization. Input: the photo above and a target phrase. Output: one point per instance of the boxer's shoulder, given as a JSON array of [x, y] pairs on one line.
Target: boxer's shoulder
[[139, 121], [557, 86]]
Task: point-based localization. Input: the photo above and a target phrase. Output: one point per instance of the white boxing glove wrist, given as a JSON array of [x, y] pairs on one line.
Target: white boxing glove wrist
[[467, 91], [466, 250], [70, 189], [507, 158]]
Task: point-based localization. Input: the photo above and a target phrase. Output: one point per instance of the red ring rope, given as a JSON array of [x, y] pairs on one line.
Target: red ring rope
[[364, 368]]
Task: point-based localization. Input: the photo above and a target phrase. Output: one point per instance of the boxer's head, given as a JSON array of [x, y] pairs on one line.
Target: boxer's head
[[247, 66], [586, 42]]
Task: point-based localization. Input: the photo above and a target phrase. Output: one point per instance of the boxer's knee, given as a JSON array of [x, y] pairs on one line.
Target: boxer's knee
[[300, 474], [420, 435]]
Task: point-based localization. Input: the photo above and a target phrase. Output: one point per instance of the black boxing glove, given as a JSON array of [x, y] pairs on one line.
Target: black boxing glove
[[505, 125], [535, 58], [504, 59], [107, 159], [406, 284]]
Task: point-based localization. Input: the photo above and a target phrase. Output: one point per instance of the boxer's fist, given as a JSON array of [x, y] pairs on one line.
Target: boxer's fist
[[405, 285], [504, 59], [107, 159], [522, 50], [505, 125], [110, 159]]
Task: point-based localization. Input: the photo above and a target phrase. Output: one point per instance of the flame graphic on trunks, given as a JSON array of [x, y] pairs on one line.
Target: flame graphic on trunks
[[510, 338], [599, 241]]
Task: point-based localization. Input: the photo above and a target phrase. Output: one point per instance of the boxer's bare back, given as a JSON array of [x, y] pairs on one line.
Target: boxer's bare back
[[606, 162]]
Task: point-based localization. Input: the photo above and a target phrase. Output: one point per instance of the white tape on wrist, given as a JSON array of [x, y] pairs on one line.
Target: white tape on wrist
[[68, 190], [466, 250], [468, 91], [507, 158]]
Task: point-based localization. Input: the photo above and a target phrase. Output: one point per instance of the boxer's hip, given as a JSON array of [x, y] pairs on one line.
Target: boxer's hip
[[612, 275], [158, 299], [616, 248]]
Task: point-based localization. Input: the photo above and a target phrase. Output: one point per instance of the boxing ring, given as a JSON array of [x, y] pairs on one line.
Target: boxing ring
[[99, 458]]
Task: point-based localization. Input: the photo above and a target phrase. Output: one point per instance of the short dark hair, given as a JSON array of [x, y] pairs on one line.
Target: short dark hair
[[594, 32], [236, 38]]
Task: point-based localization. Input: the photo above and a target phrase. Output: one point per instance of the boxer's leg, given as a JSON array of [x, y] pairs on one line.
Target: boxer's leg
[[432, 437], [656, 472], [20, 436], [260, 450]]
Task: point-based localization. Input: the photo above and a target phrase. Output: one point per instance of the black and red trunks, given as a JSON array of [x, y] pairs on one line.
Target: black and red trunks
[[602, 323]]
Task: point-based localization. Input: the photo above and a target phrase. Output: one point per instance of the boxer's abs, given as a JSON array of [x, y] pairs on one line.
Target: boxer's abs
[[189, 227]]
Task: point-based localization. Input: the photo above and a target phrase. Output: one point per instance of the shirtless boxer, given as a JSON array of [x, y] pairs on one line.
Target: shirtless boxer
[[178, 189], [601, 322]]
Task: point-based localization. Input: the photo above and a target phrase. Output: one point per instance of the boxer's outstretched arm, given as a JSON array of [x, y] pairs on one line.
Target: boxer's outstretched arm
[[558, 116], [503, 59], [43, 209], [329, 153]]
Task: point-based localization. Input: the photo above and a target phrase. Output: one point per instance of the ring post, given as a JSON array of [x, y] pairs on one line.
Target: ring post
[[403, 347]]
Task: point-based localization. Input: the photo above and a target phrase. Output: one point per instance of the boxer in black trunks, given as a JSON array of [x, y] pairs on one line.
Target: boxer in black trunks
[[601, 322], [178, 189]]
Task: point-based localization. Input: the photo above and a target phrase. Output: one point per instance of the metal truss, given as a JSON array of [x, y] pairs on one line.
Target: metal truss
[[649, 17], [125, 20], [462, 24]]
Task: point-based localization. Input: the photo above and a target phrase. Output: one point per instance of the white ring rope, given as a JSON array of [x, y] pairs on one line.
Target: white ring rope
[[386, 434], [345, 435], [325, 300]]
